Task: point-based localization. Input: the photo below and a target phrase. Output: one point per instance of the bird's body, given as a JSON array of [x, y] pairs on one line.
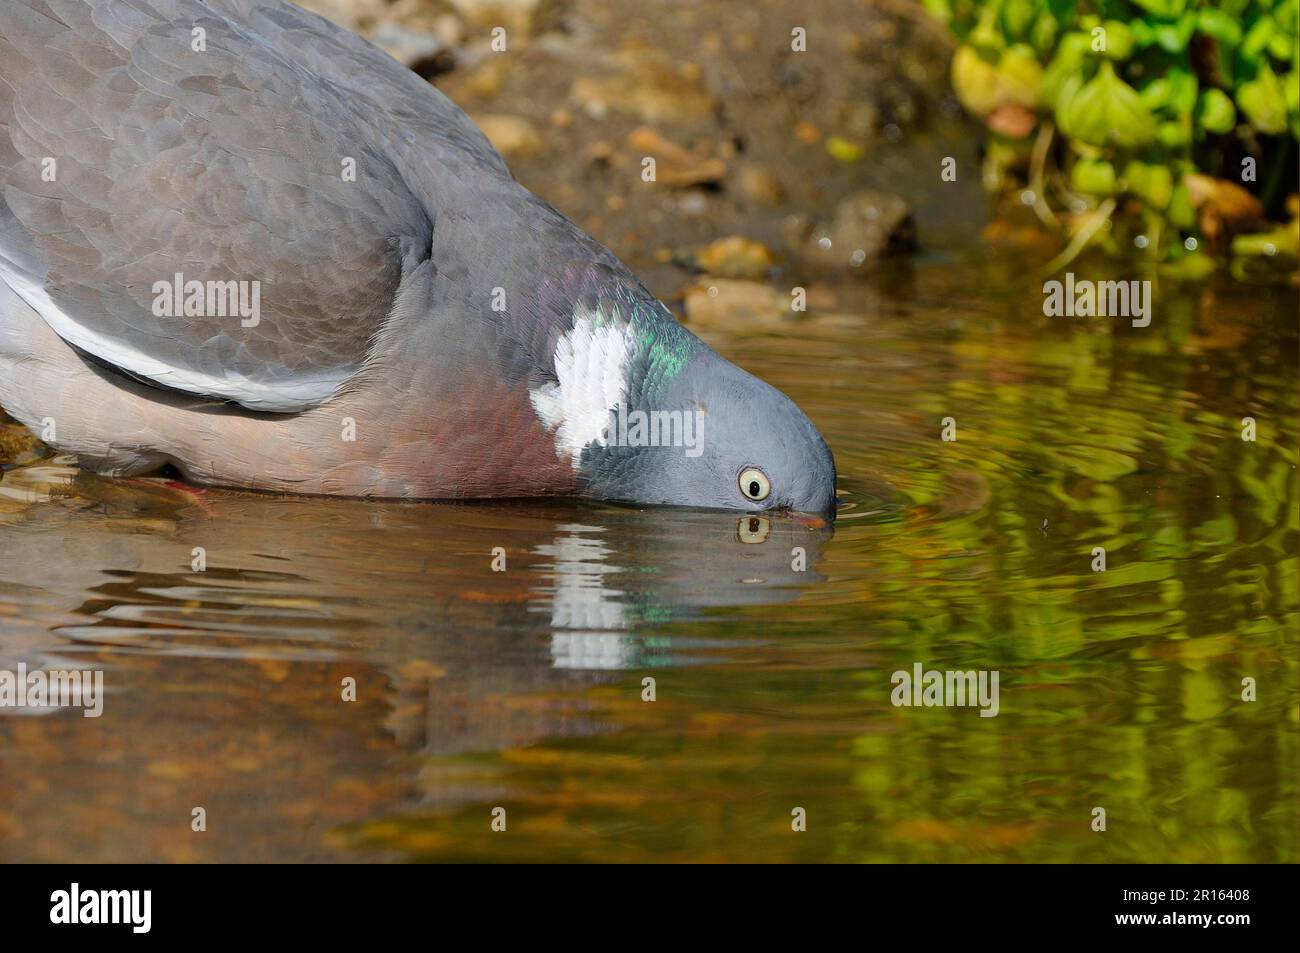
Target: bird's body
[[240, 240]]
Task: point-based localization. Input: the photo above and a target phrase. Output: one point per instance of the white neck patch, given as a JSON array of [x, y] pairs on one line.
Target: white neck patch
[[591, 364]]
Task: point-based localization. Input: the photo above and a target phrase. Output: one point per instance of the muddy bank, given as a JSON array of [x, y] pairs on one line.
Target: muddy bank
[[825, 159]]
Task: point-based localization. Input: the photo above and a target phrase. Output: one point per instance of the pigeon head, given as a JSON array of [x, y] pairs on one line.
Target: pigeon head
[[715, 437], [647, 413]]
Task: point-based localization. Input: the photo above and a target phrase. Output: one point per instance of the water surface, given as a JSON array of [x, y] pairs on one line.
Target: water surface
[[523, 689]]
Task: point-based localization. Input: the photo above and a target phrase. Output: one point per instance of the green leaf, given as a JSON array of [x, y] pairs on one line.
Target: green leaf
[[1066, 68], [1063, 10], [1119, 40], [1259, 36], [1155, 94], [974, 80], [985, 37], [1153, 184], [1144, 33], [1043, 36], [1280, 46], [1064, 96], [1107, 111], [1174, 134], [1219, 25], [982, 86], [1263, 102], [1283, 240], [1017, 17], [939, 9], [1215, 112], [1287, 15], [1182, 91], [1162, 8], [1093, 176], [1173, 93], [1174, 37], [1181, 213]]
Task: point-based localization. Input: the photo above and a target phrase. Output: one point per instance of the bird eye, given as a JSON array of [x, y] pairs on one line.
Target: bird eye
[[754, 484]]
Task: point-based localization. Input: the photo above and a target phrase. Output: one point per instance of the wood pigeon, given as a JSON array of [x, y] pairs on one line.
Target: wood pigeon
[[241, 241]]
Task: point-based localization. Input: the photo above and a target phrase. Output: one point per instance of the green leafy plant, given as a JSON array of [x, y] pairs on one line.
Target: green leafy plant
[[1176, 118]]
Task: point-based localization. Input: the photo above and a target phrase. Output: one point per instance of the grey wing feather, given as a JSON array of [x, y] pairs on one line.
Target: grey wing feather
[[412, 110], [219, 164]]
